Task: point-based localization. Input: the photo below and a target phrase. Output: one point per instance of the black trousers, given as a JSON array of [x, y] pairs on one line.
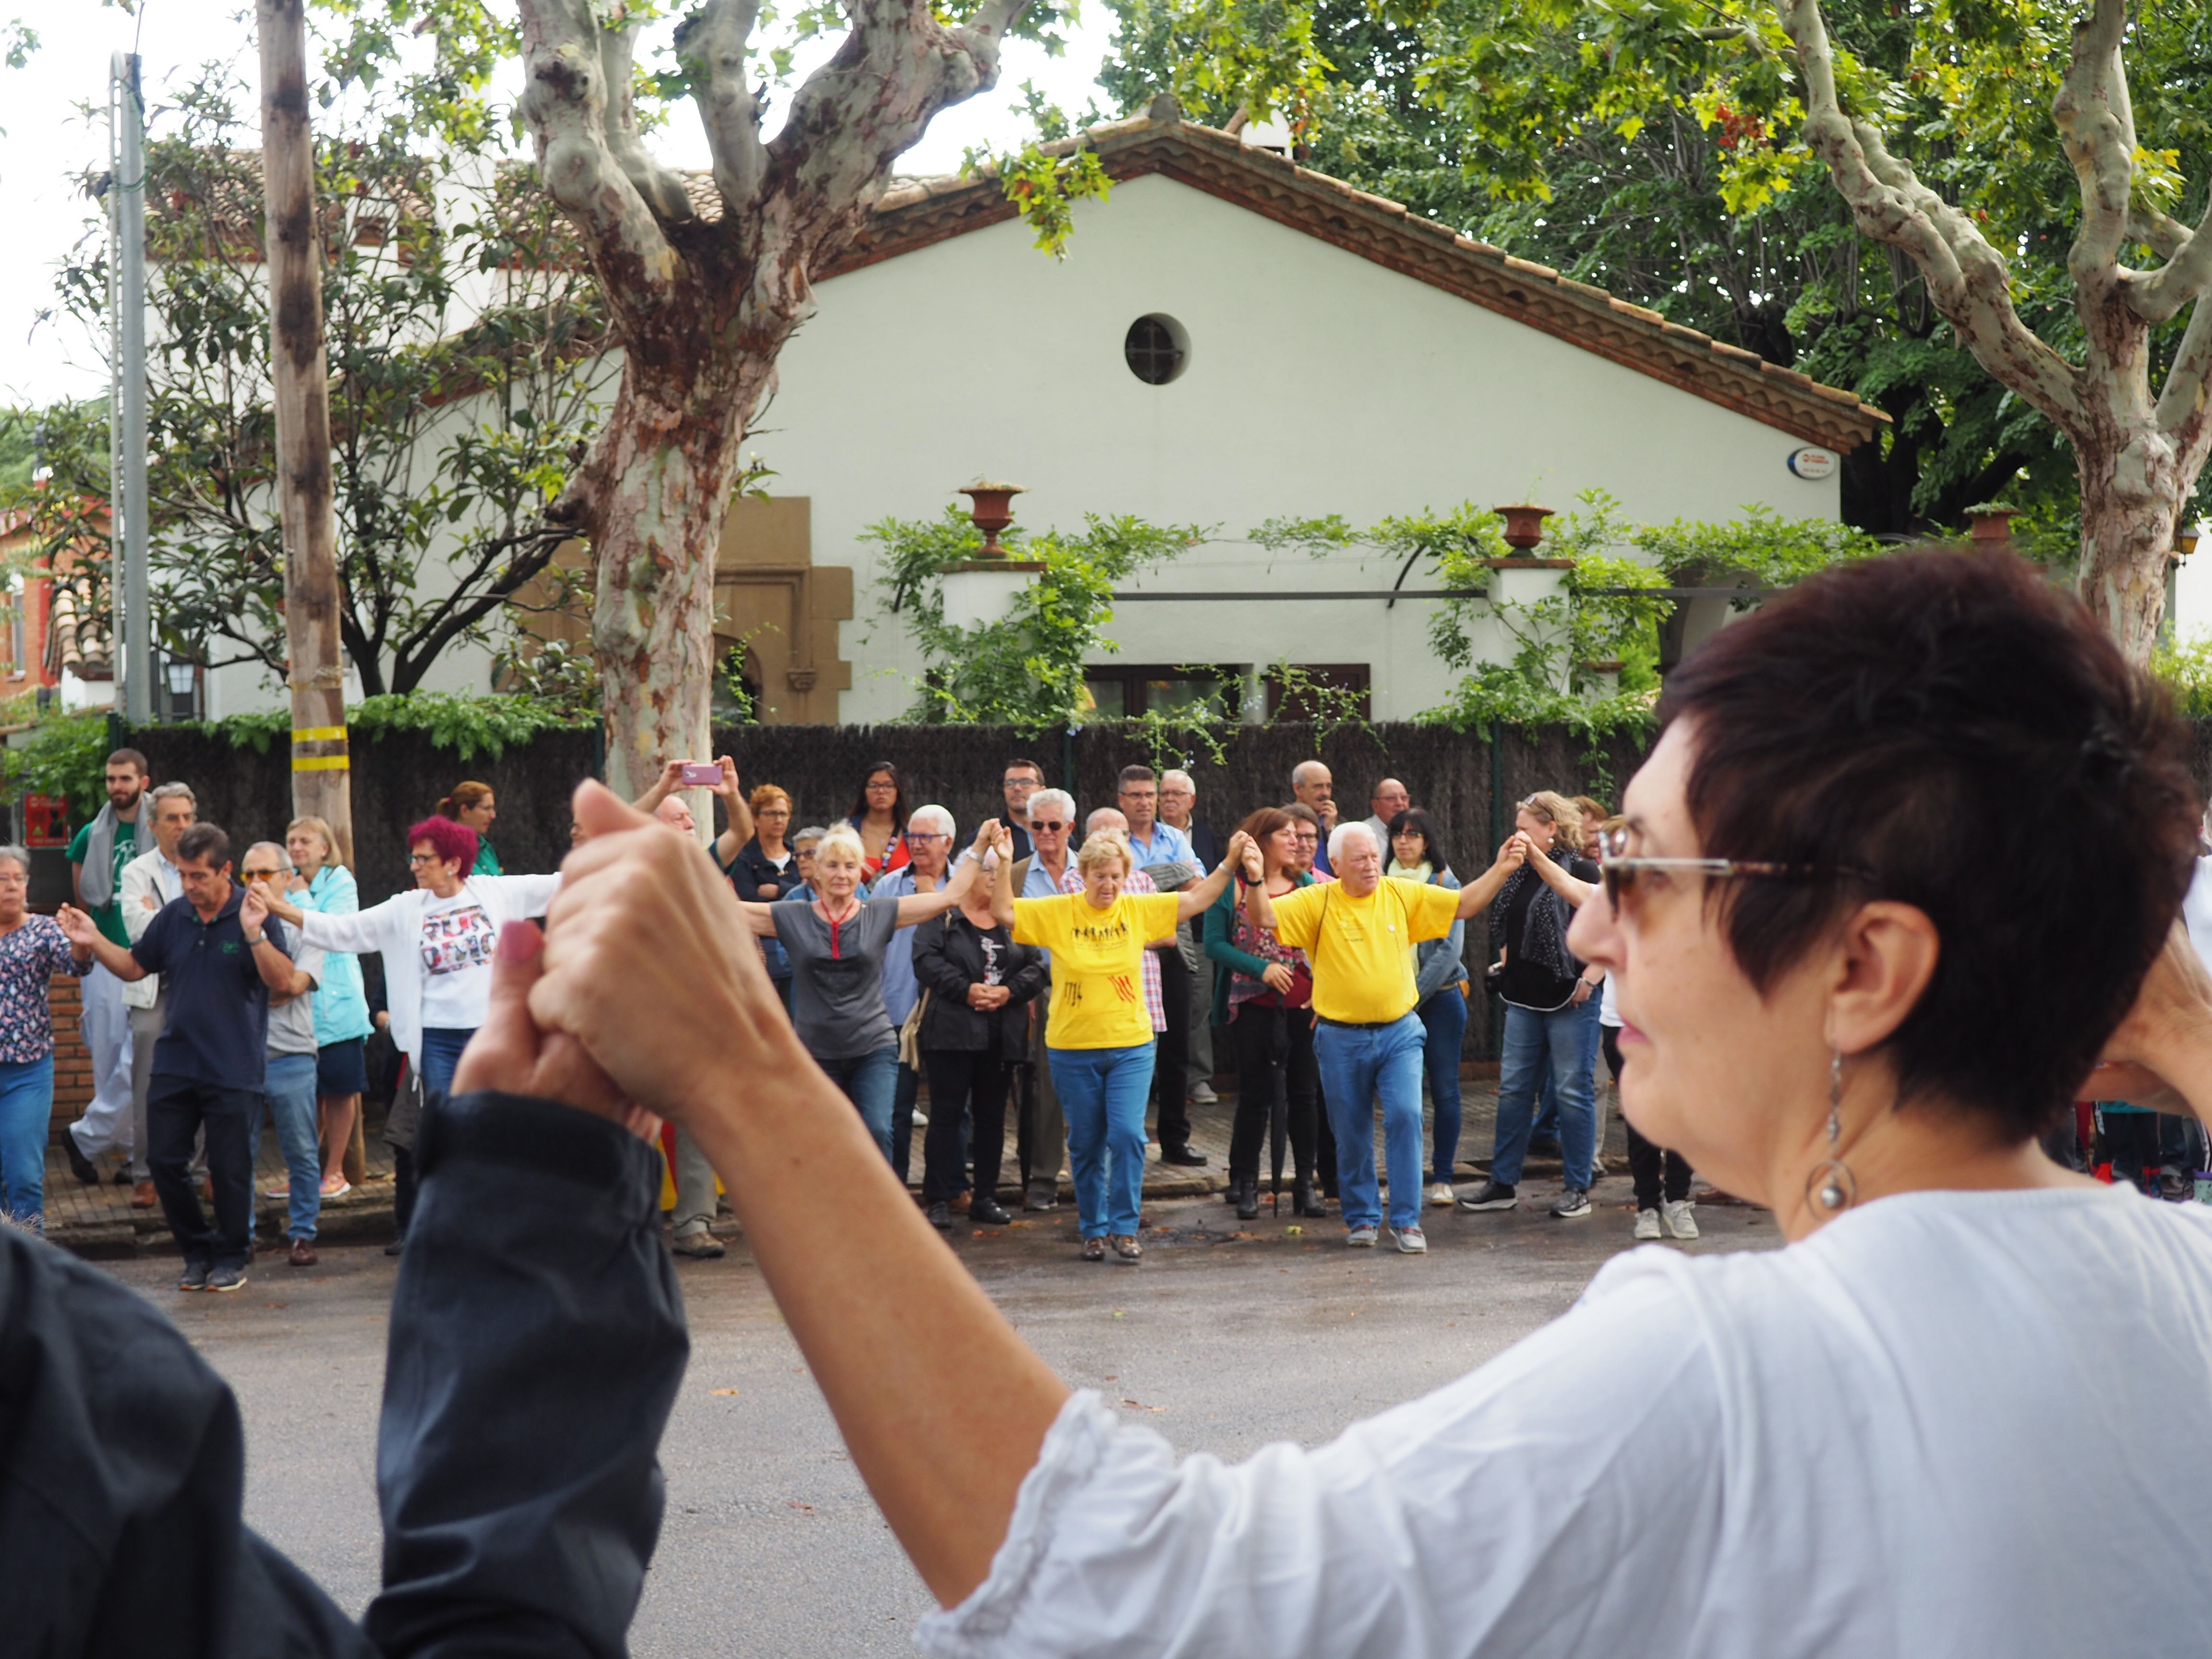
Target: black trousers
[[964, 1086], [177, 1109], [1655, 1170], [1171, 1063], [1274, 1061]]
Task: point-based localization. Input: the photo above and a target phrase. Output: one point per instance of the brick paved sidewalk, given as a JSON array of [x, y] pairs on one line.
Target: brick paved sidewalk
[[98, 1221]]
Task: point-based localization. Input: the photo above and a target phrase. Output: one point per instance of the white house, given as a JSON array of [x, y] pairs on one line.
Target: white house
[[1231, 338]]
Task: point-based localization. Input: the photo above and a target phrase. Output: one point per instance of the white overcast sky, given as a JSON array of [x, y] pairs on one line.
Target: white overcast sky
[[47, 141]]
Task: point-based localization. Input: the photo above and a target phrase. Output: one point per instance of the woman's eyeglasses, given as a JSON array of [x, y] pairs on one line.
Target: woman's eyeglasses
[[1619, 871]]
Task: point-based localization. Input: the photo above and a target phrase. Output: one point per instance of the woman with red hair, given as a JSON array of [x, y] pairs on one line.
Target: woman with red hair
[[437, 943]]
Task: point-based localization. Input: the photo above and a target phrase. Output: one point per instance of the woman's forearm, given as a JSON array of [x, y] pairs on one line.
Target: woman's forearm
[[943, 1406]]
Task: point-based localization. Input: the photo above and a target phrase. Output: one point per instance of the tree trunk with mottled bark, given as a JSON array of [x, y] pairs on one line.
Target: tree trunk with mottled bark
[[2138, 452], [702, 306]]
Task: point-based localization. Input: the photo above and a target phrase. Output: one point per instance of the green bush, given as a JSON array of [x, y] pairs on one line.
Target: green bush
[[469, 723], [66, 755]]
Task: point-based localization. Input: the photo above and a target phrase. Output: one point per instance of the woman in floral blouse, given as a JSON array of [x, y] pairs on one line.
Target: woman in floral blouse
[[32, 949]]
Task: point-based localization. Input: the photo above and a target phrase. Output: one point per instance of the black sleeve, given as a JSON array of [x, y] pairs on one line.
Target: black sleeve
[[153, 942], [933, 966], [537, 1340], [1029, 977]]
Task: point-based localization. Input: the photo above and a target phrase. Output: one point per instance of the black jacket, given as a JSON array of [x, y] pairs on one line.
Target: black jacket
[[536, 1342], [751, 871], [948, 958]]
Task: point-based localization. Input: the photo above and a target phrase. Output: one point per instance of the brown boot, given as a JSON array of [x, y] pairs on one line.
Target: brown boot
[[303, 1253], [142, 1196]]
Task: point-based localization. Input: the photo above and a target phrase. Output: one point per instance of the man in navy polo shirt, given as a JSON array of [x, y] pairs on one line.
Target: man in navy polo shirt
[[218, 955]]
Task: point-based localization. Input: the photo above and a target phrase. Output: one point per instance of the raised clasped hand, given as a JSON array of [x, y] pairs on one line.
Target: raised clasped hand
[[510, 1054], [640, 965]]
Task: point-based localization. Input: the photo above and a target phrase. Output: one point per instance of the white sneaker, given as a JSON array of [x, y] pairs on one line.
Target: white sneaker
[[1412, 1241], [1647, 1223], [1681, 1218], [1441, 1195]]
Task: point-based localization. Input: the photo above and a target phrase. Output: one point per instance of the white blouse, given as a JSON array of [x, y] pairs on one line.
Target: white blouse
[[1947, 1423]]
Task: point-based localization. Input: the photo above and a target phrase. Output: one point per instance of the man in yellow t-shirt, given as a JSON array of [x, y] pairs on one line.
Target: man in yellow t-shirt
[[1359, 932]]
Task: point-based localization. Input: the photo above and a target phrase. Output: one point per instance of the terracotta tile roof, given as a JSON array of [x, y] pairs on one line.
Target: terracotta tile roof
[[917, 213]]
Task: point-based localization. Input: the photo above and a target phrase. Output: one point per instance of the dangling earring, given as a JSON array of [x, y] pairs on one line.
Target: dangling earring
[[1832, 1188]]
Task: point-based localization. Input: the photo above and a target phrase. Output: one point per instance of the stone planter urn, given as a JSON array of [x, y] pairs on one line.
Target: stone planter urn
[[991, 512], [984, 589], [1524, 524]]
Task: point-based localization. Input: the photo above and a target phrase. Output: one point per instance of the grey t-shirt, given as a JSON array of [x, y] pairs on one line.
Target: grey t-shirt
[[292, 1027], [837, 983]]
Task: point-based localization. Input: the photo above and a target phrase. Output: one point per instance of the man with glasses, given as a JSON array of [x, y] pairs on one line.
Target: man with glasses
[[1179, 807], [1042, 1143], [1022, 779], [288, 1081], [929, 858], [220, 954]]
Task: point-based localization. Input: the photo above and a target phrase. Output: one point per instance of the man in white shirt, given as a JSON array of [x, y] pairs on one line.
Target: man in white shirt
[[1390, 798], [150, 881], [289, 1084], [929, 833]]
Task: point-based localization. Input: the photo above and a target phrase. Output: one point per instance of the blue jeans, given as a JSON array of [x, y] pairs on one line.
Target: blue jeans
[[1358, 1065], [1102, 1093], [1563, 1043], [870, 1082], [288, 1087], [441, 1053], [1443, 1022], [26, 1102]]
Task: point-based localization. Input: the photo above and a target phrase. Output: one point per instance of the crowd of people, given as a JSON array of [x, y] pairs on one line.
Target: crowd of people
[[1085, 983]]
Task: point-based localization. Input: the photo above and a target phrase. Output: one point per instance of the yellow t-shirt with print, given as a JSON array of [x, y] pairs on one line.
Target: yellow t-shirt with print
[[1098, 964], [1360, 948]]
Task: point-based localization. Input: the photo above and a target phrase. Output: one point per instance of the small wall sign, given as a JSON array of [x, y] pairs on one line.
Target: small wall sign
[[1813, 463]]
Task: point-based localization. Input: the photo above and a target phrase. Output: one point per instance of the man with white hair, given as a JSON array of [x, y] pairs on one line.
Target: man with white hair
[[287, 1079], [1357, 933], [148, 882], [1312, 784], [1042, 1141], [929, 832]]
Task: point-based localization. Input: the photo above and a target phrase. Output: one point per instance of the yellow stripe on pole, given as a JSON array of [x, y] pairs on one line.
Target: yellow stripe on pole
[[319, 734], [321, 763]]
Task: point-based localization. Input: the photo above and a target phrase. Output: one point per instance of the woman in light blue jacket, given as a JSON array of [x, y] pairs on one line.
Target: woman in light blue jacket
[[341, 1020], [1440, 982]]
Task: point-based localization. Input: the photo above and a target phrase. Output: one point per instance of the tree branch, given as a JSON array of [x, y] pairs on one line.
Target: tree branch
[[2165, 235], [2185, 408], [2185, 276], [713, 41], [564, 105], [2097, 126], [663, 190], [1966, 279]]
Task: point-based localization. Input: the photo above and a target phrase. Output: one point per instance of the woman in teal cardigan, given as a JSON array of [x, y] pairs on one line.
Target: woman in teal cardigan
[[1263, 1001]]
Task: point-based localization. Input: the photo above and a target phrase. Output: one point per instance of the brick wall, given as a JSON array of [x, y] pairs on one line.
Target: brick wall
[[72, 1065]]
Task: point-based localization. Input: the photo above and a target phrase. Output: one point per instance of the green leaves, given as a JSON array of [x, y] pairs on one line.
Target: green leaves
[[1044, 187], [1025, 670]]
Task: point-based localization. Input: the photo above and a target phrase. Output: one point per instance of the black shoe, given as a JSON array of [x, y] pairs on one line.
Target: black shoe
[[227, 1278], [80, 1166], [195, 1276], [397, 1245], [1306, 1201], [989, 1212], [940, 1217], [1182, 1155], [122, 1175], [1248, 1199], [1490, 1195]]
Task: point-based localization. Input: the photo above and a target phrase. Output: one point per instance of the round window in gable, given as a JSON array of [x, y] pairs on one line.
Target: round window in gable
[[1157, 348]]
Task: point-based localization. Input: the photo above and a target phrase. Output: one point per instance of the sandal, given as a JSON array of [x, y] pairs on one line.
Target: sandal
[[1126, 1247], [1094, 1249]]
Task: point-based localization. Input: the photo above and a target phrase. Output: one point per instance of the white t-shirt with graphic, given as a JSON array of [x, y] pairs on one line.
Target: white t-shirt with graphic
[[457, 942]]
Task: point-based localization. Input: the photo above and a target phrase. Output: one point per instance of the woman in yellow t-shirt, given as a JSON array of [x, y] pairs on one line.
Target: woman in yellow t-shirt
[[1098, 1037]]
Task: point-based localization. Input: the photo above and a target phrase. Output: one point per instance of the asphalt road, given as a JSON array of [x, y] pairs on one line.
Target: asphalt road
[[1224, 1339]]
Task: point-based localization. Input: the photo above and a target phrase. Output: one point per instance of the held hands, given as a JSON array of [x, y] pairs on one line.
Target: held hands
[[1003, 844], [989, 834], [1514, 852], [2166, 1035], [509, 1053], [1244, 854], [984, 998]]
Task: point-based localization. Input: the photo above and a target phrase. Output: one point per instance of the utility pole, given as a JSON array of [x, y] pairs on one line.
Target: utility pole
[[322, 782], [126, 405]]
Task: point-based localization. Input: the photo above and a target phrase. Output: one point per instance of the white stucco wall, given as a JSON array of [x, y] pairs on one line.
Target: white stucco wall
[[1318, 382]]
